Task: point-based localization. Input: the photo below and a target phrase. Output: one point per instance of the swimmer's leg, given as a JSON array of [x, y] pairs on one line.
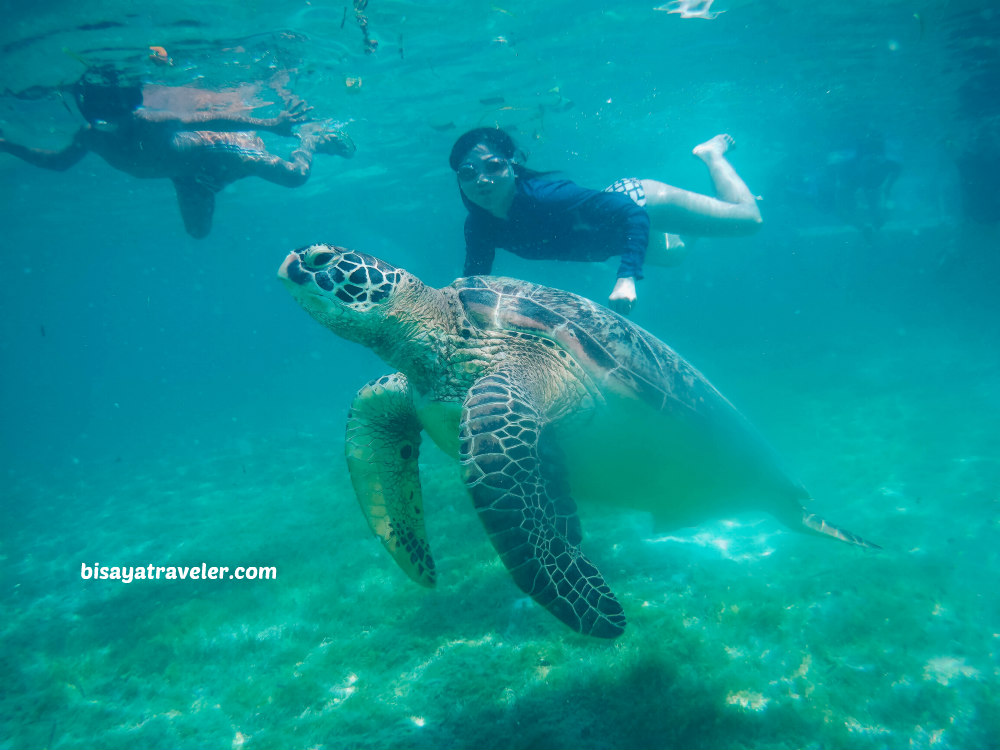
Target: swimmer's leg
[[223, 157], [666, 249], [729, 186], [733, 212], [295, 171], [197, 204]]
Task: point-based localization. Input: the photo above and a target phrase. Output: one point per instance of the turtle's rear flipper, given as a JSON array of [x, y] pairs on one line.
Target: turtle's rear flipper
[[382, 444], [812, 522], [526, 508]]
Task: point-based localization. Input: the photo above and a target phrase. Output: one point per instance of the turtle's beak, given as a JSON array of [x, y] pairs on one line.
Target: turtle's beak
[[291, 270]]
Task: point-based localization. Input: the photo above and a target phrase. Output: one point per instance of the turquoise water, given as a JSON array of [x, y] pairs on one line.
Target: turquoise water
[[165, 402]]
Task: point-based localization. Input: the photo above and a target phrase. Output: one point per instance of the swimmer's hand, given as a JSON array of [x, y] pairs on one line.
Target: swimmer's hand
[[298, 111], [622, 297]]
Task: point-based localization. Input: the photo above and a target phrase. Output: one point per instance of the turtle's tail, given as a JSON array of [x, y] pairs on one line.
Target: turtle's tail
[[814, 523]]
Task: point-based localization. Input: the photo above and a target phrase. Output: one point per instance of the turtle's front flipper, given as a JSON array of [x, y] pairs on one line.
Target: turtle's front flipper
[[383, 440], [526, 508]]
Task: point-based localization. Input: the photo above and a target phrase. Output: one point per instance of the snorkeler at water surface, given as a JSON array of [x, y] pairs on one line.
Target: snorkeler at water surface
[[533, 216], [199, 139]]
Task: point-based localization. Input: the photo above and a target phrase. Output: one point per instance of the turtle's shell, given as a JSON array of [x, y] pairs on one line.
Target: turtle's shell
[[619, 356]]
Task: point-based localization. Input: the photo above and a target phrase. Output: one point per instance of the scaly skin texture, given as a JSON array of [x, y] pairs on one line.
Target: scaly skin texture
[[543, 398]]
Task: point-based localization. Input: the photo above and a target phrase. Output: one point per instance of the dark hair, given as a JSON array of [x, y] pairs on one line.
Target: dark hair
[[102, 93], [497, 140]]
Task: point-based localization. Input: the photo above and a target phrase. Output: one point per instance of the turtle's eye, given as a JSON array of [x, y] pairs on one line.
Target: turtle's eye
[[317, 258]]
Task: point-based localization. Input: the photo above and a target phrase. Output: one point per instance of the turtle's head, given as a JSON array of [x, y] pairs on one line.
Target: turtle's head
[[348, 292]]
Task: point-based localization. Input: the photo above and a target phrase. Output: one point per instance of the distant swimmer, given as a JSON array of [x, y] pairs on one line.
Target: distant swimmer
[[978, 163], [862, 179], [199, 139], [534, 216]]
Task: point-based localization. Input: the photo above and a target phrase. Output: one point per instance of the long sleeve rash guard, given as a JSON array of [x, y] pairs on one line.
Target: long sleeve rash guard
[[559, 220]]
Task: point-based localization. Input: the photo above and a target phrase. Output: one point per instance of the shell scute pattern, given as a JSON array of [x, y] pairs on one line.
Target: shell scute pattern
[[620, 356]]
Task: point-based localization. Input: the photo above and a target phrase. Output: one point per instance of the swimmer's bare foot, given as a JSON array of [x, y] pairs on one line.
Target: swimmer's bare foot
[[714, 148]]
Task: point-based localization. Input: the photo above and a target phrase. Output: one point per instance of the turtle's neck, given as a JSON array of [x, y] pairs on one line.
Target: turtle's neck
[[414, 335]]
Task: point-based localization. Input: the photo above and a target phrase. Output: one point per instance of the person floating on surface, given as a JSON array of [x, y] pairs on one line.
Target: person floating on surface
[[202, 142], [533, 216]]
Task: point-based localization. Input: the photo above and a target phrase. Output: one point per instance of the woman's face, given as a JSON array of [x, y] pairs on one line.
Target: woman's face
[[487, 180]]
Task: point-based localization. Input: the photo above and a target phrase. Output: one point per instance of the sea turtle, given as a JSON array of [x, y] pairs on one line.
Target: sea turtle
[[544, 398]]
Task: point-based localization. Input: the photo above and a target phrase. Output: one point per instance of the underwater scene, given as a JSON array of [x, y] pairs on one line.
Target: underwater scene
[[187, 560]]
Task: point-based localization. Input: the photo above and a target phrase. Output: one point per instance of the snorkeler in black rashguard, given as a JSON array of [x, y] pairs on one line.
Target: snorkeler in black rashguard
[[522, 211], [558, 220]]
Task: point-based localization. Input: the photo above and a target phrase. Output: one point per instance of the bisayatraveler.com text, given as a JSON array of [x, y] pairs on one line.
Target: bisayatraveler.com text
[[203, 572]]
